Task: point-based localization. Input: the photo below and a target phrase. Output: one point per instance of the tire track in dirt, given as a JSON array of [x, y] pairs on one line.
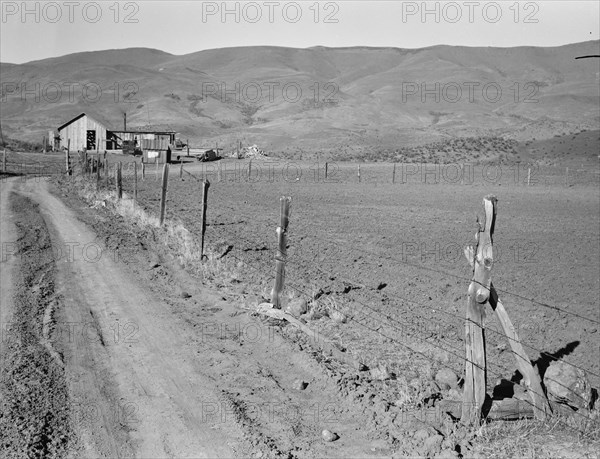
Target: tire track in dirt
[[34, 414]]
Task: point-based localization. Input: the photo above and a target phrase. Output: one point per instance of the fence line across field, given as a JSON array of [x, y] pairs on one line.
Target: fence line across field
[[467, 360]]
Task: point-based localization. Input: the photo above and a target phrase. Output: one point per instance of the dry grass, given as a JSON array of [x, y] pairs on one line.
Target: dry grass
[[181, 242]]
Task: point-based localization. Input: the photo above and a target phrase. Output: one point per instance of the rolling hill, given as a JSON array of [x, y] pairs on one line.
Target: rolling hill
[[315, 99]]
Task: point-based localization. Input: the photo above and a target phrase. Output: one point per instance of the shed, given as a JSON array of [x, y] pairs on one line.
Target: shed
[[84, 132], [156, 146]]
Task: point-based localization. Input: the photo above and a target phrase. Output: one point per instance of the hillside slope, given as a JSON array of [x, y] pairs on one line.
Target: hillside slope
[[325, 99]]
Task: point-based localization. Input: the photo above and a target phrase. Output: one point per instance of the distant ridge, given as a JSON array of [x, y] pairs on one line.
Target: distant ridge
[[335, 99]]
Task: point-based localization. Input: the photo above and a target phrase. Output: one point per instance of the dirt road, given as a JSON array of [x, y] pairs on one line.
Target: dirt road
[[157, 366]]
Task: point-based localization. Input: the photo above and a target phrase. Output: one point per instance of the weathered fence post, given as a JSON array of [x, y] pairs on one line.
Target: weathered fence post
[[85, 163], [481, 259], [143, 170], [134, 184], [567, 177], [118, 182], [326, 169], [67, 156], [359, 173], [187, 144], [163, 195], [394, 174], [528, 176], [4, 161], [281, 255], [98, 162], [481, 292], [205, 185], [156, 168], [181, 170], [249, 169], [106, 171]]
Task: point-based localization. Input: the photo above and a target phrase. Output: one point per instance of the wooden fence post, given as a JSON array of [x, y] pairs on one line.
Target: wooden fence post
[[156, 168], [181, 170], [281, 255], [134, 184], [528, 176], [326, 169], [482, 292], [98, 162], [85, 163], [359, 173], [119, 184], [481, 259], [106, 171], [163, 195], [67, 156], [205, 185], [249, 169], [187, 144], [4, 161], [567, 177], [143, 170], [394, 174]]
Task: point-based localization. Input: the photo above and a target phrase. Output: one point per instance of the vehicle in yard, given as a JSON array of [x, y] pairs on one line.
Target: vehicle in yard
[[201, 154]]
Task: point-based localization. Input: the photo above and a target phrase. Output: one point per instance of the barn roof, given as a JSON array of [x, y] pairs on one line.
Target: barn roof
[[97, 119]]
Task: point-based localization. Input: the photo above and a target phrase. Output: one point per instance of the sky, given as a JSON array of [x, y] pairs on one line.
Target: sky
[[37, 30]]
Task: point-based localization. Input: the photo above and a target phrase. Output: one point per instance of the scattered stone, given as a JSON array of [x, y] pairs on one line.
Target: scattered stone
[[338, 317], [447, 377], [185, 294], [329, 436], [360, 366], [433, 444], [300, 385], [569, 385], [381, 373], [421, 434], [296, 307]]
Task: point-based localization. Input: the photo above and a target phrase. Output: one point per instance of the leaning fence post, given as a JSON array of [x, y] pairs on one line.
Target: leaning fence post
[[205, 185], [281, 255], [482, 260], [163, 195]]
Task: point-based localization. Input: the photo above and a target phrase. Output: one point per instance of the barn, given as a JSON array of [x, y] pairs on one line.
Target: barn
[[85, 132], [82, 132]]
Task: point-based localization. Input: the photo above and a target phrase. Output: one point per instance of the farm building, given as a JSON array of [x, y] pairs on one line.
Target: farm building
[[156, 146], [82, 132], [86, 133]]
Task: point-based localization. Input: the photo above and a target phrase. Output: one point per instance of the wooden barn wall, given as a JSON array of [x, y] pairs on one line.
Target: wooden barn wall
[[77, 132]]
